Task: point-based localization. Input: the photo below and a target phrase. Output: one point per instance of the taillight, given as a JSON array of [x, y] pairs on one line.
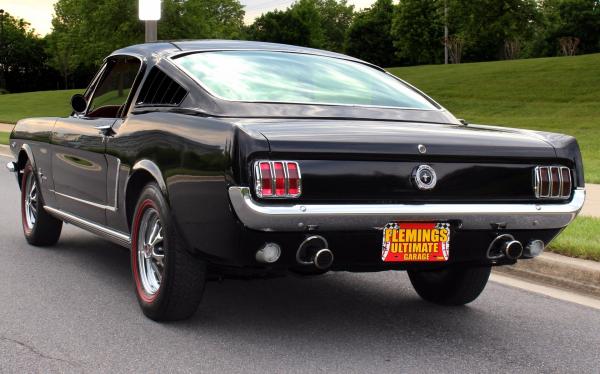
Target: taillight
[[552, 182], [277, 179]]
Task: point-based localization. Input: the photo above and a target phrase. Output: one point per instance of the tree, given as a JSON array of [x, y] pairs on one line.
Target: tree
[[310, 23], [201, 19], [369, 36], [86, 31], [418, 31], [486, 25], [22, 57], [569, 18]]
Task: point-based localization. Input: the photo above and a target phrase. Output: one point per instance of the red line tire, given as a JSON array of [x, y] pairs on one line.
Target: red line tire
[[452, 286], [43, 229], [174, 288]]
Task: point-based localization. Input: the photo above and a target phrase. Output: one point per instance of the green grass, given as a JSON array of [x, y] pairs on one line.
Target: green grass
[[14, 107], [4, 138], [580, 239], [558, 94]]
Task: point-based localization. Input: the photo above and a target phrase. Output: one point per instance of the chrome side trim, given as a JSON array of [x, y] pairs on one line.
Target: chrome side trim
[[102, 231], [344, 217], [116, 207], [95, 205]]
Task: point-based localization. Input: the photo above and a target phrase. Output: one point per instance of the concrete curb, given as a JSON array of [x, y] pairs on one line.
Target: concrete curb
[[572, 274]]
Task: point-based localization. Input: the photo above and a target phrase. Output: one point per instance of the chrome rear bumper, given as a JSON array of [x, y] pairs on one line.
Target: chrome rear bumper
[[344, 217]]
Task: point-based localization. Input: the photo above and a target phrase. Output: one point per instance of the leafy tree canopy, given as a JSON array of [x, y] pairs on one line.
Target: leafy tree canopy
[[369, 36]]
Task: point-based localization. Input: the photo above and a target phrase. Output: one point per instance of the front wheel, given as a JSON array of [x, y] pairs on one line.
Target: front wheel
[[169, 280], [452, 286], [39, 227]]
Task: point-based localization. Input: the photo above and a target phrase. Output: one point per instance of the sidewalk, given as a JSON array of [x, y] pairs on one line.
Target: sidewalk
[[6, 127], [591, 207]]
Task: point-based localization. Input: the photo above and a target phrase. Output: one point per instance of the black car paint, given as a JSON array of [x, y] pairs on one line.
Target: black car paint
[[347, 153]]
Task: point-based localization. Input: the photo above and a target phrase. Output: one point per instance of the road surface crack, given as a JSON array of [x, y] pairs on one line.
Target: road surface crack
[[35, 351]]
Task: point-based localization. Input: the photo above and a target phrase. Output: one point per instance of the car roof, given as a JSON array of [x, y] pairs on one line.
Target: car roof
[[147, 50]]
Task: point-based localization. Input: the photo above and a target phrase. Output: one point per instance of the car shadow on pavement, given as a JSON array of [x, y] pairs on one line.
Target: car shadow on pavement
[[347, 308]]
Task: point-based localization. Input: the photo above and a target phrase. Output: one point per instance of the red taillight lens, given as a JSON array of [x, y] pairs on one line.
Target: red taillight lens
[[566, 181], [265, 185], [277, 179], [552, 182], [293, 179], [555, 182]]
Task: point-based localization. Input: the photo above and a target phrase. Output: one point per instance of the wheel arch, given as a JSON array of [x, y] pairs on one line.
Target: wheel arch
[[25, 154], [142, 173]]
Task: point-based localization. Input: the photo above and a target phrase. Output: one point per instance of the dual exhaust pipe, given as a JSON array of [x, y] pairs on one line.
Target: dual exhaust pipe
[[314, 251], [506, 246]]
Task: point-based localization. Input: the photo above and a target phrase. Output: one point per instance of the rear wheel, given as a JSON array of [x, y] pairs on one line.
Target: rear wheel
[[169, 280], [452, 286], [39, 227]]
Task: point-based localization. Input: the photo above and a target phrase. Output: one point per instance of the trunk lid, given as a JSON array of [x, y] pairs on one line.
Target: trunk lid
[[384, 138], [374, 161]]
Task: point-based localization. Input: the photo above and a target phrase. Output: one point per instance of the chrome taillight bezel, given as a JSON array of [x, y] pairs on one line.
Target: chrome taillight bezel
[[544, 187], [258, 179]]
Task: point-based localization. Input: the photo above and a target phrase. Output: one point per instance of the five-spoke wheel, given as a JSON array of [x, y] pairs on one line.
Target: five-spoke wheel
[[169, 278], [150, 251], [39, 227]]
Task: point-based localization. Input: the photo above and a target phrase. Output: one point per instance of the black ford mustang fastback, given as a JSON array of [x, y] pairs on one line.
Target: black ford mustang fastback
[[243, 158]]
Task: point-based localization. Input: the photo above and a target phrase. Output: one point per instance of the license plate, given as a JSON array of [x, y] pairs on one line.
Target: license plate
[[416, 242]]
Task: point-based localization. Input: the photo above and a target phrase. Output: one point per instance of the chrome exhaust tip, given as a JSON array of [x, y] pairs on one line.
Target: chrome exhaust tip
[[512, 249], [313, 251], [323, 259], [505, 245]]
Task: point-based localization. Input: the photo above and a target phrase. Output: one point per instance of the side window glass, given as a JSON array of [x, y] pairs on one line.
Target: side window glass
[[114, 87]]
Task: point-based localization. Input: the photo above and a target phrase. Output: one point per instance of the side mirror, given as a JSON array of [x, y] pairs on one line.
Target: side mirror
[[78, 103]]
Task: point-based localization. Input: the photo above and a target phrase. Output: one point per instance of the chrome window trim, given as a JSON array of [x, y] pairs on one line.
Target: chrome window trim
[[345, 217]]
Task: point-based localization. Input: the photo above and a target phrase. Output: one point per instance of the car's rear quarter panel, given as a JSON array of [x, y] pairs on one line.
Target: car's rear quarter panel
[[198, 159]]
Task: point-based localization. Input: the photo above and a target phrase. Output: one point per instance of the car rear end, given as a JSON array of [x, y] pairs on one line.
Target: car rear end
[[490, 196]]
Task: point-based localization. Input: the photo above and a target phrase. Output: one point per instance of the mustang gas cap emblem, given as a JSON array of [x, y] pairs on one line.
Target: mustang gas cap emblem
[[424, 177]]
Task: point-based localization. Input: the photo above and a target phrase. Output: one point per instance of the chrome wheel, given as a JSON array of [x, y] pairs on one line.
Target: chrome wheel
[[150, 251], [31, 201]]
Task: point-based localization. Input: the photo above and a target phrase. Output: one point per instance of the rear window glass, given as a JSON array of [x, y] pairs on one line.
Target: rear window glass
[[268, 76]]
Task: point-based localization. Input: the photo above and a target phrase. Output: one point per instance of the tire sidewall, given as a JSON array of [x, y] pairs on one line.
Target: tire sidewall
[[28, 232], [152, 198]]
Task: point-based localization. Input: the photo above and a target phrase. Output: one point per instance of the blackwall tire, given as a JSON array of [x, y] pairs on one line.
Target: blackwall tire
[[39, 227], [452, 286], [169, 281]]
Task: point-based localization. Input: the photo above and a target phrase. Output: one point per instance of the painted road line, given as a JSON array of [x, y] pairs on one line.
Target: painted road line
[[546, 290]]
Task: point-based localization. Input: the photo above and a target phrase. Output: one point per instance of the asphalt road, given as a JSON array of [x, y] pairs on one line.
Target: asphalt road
[[71, 308]]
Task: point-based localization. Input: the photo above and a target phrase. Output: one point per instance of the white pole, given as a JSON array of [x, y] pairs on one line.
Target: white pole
[[149, 12], [151, 31]]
